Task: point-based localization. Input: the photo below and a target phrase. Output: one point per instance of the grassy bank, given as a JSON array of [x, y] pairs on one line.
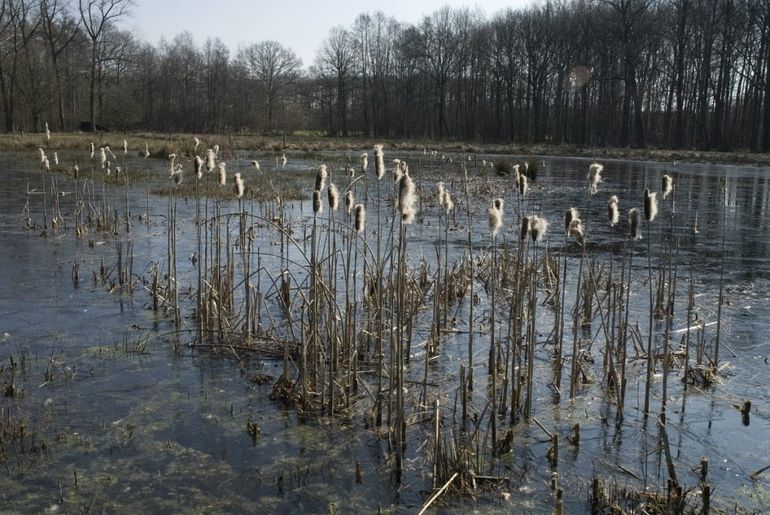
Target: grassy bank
[[160, 145]]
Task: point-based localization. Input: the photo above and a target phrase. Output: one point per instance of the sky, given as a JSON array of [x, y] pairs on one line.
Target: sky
[[301, 25]]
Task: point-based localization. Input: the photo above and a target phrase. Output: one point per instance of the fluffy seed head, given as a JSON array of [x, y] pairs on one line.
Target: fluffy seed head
[[317, 206], [538, 228], [576, 230], [594, 177], [448, 202], [283, 161], [668, 185], [102, 156], [56, 158], [41, 154], [360, 218], [523, 184], [571, 214], [47, 132], [320, 178], [198, 166], [495, 216], [379, 161], [197, 142], [349, 201], [334, 196], [125, 147], [406, 199], [364, 161], [222, 174], [633, 222], [178, 176], [46, 164], [107, 167], [146, 150], [525, 227], [255, 164], [92, 150], [216, 150], [238, 187], [650, 205], [210, 160], [613, 210]]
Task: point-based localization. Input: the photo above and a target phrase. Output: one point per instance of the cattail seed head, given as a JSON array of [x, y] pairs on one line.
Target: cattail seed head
[[576, 230], [283, 161], [102, 156], [360, 223], [107, 167], [222, 174], [538, 228], [125, 147], [239, 187], [56, 158], [216, 150], [364, 162], [334, 196], [349, 201], [406, 199], [92, 150], [633, 222], [46, 163], [594, 177], [525, 227], [178, 176], [255, 164], [198, 166], [448, 202], [197, 142], [613, 210], [668, 185], [47, 132], [110, 152], [146, 150], [320, 178], [379, 161], [398, 172], [495, 216], [76, 169], [41, 154], [317, 206], [571, 214], [523, 184], [210, 160], [650, 205]]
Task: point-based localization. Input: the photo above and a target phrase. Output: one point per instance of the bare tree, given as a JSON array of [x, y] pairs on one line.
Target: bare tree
[[335, 60], [59, 30], [96, 16]]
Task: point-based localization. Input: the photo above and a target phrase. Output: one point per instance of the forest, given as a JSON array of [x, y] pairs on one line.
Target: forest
[[604, 73]]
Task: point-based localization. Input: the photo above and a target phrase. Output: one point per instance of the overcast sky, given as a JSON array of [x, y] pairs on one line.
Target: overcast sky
[[301, 25]]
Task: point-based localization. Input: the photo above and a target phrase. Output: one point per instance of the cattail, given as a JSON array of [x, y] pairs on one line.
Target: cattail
[[524, 233], [406, 199], [449, 204], [320, 178], [107, 167], [364, 162], [41, 154], [46, 164], [238, 187], [76, 169], [56, 159], [178, 176], [349, 201], [379, 161], [210, 160], [613, 211], [92, 150], [171, 159], [125, 147], [47, 132], [317, 206], [495, 216], [360, 223], [571, 214], [576, 230], [283, 161], [398, 172], [108, 149], [256, 165], [334, 196], [594, 177], [650, 205], [523, 184], [197, 142], [198, 166], [668, 185], [351, 172], [633, 221], [222, 174], [102, 156], [538, 228], [216, 150], [146, 150]]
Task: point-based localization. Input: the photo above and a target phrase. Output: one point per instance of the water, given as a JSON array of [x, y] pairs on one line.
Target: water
[[120, 414]]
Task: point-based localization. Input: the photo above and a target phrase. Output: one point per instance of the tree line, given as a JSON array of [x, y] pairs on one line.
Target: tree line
[[663, 73]]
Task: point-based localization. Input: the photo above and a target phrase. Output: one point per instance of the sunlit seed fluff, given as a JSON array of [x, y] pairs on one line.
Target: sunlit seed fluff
[[633, 222], [538, 228], [406, 199], [379, 161], [210, 160], [92, 150], [198, 166], [109, 151], [255, 164], [216, 150], [364, 162], [495, 212], [594, 177], [320, 178], [667, 184], [222, 174], [569, 215], [41, 154], [46, 164], [283, 161], [525, 227], [56, 158], [334, 196], [613, 210], [146, 150], [102, 156], [317, 206], [125, 147], [178, 177], [171, 164], [76, 169], [398, 172], [650, 205], [107, 167], [449, 204], [349, 201], [523, 184], [576, 230], [360, 223], [197, 142], [47, 132], [238, 186]]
